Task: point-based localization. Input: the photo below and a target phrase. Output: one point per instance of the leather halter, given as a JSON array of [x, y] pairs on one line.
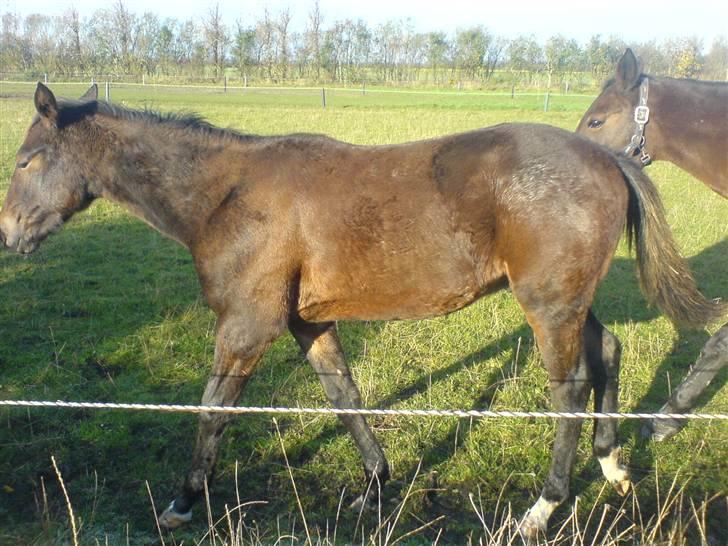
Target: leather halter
[[641, 117]]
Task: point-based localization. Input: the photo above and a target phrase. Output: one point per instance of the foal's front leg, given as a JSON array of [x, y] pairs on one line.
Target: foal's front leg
[[322, 348], [240, 344]]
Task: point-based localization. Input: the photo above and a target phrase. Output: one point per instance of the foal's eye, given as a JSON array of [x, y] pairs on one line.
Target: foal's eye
[[595, 123], [22, 164]]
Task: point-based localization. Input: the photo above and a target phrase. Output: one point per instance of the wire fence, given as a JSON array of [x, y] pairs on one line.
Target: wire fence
[[271, 410], [324, 96]]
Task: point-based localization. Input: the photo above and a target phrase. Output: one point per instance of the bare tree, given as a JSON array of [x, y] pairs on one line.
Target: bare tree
[[313, 37], [216, 38], [124, 31], [282, 52], [265, 54]]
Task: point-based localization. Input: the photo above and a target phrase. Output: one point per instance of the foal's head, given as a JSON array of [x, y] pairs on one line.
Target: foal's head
[[610, 118], [50, 182]]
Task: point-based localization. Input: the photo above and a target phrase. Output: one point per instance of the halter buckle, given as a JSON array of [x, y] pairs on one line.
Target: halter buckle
[[641, 115]]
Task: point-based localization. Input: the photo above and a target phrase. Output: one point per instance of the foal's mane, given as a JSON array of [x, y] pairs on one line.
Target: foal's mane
[[72, 111]]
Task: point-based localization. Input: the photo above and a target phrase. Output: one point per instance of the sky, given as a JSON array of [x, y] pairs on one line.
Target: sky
[[630, 20]]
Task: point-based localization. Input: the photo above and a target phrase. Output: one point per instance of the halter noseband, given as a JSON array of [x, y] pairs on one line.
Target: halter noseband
[[641, 117]]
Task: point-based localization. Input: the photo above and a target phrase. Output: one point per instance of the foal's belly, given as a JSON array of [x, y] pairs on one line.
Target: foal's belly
[[392, 306], [395, 287]]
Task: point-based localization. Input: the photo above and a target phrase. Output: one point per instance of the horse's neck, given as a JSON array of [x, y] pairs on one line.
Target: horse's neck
[[690, 129], [161, 180]]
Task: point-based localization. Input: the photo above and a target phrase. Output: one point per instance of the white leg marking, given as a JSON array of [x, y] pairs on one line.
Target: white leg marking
[[170, 519], [615, 472], [537, 518]]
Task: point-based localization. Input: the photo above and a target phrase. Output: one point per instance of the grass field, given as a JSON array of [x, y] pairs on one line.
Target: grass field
[[109, 310]]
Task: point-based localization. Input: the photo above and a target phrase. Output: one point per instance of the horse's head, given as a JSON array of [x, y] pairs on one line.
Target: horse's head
[[49, 183], [610, 118]]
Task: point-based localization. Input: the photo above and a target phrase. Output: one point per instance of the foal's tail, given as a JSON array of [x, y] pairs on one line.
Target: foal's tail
[[664, 276]]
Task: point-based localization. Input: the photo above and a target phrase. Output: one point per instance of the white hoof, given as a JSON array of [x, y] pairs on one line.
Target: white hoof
[[170, 519], [536, 519], [530, 528], [615, 472]]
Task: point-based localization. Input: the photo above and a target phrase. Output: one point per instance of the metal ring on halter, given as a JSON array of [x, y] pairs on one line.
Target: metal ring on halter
[[641, 117]]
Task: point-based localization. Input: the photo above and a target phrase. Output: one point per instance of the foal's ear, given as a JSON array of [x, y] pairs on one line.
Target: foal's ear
[[45, 104], [628, 71], [92, 93]]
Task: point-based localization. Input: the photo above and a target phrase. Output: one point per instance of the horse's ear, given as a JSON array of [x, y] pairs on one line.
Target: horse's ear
[[45, 104], [92, 93], [628, 71]]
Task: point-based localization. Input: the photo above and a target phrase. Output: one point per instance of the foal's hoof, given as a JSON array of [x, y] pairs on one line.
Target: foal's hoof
[[530, 528], [171, 519], [622, 486], [364, 503], [536, 520], [658, 430]]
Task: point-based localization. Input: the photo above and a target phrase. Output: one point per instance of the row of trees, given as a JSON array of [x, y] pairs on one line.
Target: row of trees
[[116, 41]]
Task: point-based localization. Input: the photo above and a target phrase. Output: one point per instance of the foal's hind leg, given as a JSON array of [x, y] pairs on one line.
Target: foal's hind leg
[[559, 341], [713, 358], [602, 351], [323, 350]]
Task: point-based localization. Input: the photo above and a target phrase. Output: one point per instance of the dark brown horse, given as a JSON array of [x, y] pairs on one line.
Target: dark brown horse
[[687, 121], [300, 231], [687, 124]]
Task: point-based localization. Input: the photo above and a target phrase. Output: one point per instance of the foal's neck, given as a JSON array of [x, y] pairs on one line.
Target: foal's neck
[[689, 127], [170, 177]]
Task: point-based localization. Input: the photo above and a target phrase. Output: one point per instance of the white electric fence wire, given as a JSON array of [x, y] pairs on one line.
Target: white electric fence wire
[[500, 414]]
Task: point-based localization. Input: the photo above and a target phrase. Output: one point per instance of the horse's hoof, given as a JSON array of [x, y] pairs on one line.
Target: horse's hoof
[[530, 528], [615, 472], [658, 430], [171, 519], [622, 486], [363, 503], [536, 519]]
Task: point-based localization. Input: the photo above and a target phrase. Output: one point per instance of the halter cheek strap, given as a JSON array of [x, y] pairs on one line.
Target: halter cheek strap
[[641, 117]]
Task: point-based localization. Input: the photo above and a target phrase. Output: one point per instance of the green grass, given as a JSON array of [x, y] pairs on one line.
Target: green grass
[[109, 310]]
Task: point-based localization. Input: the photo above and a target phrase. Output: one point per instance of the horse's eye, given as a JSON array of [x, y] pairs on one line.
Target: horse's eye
[[595, 123], [22, 164]]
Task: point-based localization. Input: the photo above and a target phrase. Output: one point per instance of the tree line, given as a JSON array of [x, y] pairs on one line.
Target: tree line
[[116, 41]]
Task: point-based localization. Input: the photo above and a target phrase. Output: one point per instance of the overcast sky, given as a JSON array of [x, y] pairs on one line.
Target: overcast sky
[[631, 20]]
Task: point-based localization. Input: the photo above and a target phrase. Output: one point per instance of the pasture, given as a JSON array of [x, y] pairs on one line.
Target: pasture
[[109, 310]]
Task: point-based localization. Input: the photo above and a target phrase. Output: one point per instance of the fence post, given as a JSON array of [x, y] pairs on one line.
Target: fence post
[[323, 97], [566, 87], [144, 79], [363, 88], [45, 78], [245, 80], [225, 82], [513, 91], [546, 101], [108, 92]]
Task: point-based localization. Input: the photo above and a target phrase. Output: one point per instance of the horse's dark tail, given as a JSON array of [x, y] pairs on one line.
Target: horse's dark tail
[[664, 276]]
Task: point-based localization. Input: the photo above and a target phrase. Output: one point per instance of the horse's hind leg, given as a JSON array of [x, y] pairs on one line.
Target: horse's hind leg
[[713, 358], [556, 310], [321, 346], [602, 351]]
